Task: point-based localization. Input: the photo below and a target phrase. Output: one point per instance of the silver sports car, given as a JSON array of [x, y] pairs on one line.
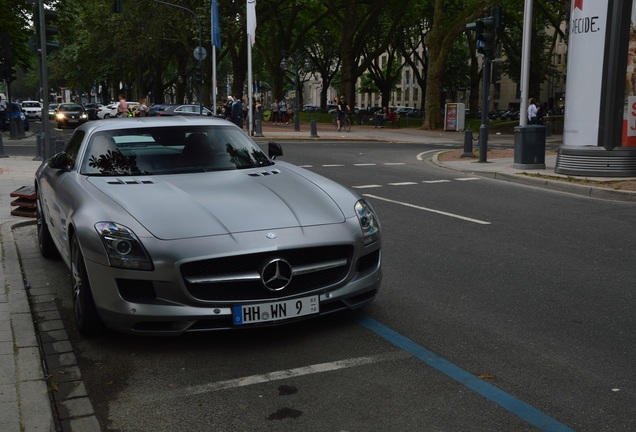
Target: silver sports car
[[171, 225]]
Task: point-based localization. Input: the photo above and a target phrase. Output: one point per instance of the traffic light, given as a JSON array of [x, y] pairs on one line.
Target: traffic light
[[118, 6], [198, 73], [50, 29], [485, 33]]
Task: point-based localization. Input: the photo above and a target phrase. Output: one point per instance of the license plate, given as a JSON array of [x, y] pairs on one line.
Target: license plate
[[275, 311], [72, 120]]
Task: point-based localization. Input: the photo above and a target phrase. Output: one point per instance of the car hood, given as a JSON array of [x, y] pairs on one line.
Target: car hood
[[204, 204]]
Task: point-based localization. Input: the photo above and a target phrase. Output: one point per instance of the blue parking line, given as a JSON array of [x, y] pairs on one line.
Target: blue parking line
[[478, 385]]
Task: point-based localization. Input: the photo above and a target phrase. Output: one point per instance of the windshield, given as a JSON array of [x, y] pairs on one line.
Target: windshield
[[170, 150]]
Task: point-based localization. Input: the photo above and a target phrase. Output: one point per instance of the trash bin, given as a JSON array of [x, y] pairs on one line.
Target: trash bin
[[529, 147]]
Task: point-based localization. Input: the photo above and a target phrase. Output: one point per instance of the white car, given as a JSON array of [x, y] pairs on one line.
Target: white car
[[110, 110], [32, 109]]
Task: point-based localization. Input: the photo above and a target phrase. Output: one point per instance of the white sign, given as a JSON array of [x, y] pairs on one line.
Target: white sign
[[585, 72]]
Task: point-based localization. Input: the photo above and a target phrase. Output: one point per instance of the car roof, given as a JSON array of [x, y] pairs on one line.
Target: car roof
[[141, 122]]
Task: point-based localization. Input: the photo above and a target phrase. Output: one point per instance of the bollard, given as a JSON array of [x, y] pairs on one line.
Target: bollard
[[2, 155], [13, 128], [313, 129], [258, 128], [20, 125], [468, 144], [39, 146], [548, 128]]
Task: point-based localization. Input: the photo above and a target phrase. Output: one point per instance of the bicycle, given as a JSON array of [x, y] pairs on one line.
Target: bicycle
[[345, 123]]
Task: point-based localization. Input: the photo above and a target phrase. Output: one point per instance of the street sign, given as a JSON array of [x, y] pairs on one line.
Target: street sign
[[200, 53]]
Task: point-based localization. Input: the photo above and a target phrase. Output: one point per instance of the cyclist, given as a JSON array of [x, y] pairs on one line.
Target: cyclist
[[342, 110]]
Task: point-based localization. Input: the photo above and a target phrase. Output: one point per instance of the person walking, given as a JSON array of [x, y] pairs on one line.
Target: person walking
[[237, 112], [532, 111], [275, 112], [122, 108]]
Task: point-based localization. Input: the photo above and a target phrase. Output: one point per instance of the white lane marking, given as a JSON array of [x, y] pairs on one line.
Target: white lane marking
[[467, 178], [306, 166], [364, 164], [435, 181], [402, 184], [420, 156], [283, 374], [367, 186], [394, 163], [333, 165], [464, 218]]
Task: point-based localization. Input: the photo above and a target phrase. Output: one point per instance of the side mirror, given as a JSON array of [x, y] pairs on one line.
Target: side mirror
[[274, 150], [59, 161]]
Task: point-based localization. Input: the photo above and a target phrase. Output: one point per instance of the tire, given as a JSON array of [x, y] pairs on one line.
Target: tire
[[59, 125], [45, 241], [347, 124], [106, 115], [87, 318]]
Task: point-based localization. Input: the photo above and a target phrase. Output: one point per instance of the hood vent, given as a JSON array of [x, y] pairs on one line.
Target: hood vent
[[131, 181], [262, 173]]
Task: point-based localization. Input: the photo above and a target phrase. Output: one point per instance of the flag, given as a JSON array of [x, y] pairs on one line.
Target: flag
[[216, 29], [251, 21]]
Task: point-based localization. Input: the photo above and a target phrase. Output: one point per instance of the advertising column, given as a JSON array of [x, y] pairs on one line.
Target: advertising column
[[586, 47], [629, 118]]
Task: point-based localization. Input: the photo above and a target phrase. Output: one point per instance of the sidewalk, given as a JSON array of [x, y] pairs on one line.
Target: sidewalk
[[25, 401]]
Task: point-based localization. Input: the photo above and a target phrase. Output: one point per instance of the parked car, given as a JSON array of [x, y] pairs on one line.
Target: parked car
[[511, 114], [92, 109], [311, 108], [16, 113], [409, 112], [156, 220], [496, 114], [161, 110], [52, 109], [70, 114], [112, 110], [32, 109]]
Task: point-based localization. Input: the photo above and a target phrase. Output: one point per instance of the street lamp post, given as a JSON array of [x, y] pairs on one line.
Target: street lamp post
[[295, 60]]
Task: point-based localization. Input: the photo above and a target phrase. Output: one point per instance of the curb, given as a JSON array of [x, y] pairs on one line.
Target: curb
[[54, 397], [555, 185]]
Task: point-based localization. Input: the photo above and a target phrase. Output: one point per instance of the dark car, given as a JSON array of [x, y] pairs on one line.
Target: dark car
[[511, 114], [91, 110], [160, 110], [16, 113], [70, 114]]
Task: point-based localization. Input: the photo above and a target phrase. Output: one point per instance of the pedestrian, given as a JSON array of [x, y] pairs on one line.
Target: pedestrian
[[122, 108], [237, 112], [142, 109], [258, 110], [282, 106], [379, 118], [3, 105], [532, 111], [275, 112], [227, 108]]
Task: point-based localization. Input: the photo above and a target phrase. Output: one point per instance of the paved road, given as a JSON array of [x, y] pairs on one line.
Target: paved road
[[503, 308]]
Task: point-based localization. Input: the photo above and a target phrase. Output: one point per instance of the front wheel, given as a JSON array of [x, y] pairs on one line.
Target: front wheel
[[347, 124], [87, 319], [45, 241]]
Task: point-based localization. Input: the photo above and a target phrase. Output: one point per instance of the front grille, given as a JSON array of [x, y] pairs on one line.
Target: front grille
[[227, 271]]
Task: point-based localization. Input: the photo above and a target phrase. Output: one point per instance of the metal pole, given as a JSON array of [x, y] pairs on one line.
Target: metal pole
[[44, 80], [296, 80], [525, 62], [483, 129]]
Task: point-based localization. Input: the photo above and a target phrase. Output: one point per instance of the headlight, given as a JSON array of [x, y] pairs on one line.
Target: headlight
[[123, 248], [60, 116], [368, 222], [84, 115]]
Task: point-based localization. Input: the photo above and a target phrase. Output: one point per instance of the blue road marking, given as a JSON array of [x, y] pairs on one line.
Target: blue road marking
[[478, 385]]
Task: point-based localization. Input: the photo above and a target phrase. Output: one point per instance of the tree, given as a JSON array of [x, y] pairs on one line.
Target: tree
[[448, 23]]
